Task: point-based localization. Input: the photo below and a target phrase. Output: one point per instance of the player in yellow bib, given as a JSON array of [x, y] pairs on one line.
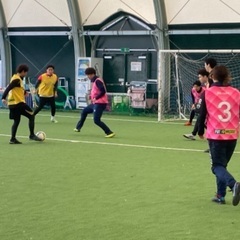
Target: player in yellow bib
[[15, 95], [46, 87]]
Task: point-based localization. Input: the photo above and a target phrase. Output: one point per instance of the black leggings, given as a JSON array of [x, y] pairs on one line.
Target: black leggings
[[15, 114], [46, 100]]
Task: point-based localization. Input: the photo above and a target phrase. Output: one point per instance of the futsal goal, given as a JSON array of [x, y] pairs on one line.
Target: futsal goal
[[178, 70]]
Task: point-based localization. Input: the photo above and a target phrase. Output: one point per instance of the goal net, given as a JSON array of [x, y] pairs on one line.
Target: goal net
[[178, 70]]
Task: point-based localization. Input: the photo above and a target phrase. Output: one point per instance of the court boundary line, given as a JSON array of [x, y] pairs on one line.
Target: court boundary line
[[112, 119], [116, 144]]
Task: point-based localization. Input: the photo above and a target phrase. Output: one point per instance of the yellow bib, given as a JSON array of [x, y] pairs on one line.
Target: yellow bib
[[16, 95], [46, 87]]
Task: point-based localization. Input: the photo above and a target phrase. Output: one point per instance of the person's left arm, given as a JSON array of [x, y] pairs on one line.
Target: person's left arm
[[55, 88]]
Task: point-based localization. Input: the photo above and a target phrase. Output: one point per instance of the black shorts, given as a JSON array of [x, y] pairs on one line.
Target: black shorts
[[47, 100], [21, 109]]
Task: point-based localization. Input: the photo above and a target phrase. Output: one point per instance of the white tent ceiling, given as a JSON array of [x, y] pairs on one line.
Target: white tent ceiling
[[45, 13], [98, 11], [202, 11], [36, 13]]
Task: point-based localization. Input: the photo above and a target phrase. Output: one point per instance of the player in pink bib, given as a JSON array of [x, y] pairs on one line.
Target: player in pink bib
[[220, 112], [196, 92], [98, 104]]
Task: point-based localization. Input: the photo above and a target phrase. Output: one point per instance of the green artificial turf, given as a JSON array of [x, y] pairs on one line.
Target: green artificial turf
[[147, 183]]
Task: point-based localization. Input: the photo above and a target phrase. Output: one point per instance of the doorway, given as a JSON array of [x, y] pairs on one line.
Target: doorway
[[119, 69]]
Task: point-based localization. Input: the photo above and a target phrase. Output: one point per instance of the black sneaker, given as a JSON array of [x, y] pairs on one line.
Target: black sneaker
[[14, 141], [35, 138], [236, 194], [218, 199]]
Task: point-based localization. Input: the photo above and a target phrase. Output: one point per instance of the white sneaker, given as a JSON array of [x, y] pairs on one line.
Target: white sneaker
[[53, 120], [189, 136]]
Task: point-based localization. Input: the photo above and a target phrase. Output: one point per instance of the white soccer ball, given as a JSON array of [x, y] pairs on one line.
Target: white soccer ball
[[41, 135]]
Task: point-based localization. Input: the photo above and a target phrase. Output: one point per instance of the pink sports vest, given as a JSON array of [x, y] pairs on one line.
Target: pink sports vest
[[223, 105], [95, 91], [197, 94]]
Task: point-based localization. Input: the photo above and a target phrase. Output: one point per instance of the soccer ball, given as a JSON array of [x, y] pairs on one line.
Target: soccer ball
[[41, 135]]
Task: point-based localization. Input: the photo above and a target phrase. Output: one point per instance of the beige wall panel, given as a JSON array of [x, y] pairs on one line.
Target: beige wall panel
[[144, 9], [202, 11], [38, 13]]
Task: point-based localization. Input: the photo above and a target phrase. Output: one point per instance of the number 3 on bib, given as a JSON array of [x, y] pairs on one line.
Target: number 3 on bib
[[225, 107]]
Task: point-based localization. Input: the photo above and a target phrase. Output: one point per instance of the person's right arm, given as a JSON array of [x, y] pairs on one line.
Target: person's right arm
[[193, 98], [38, 82], [202, 115], [14, 83]]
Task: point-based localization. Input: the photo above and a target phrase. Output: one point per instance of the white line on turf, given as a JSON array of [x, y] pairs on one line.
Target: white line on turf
[[117, 144], [134, 120]]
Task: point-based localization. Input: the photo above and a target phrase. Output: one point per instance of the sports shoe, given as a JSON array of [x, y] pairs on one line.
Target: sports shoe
[[188, 124], [76, 130], [53, 120], [110, 135], [14, 141], [218, 199], [35, 138], [236, 194], [189, 136]]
